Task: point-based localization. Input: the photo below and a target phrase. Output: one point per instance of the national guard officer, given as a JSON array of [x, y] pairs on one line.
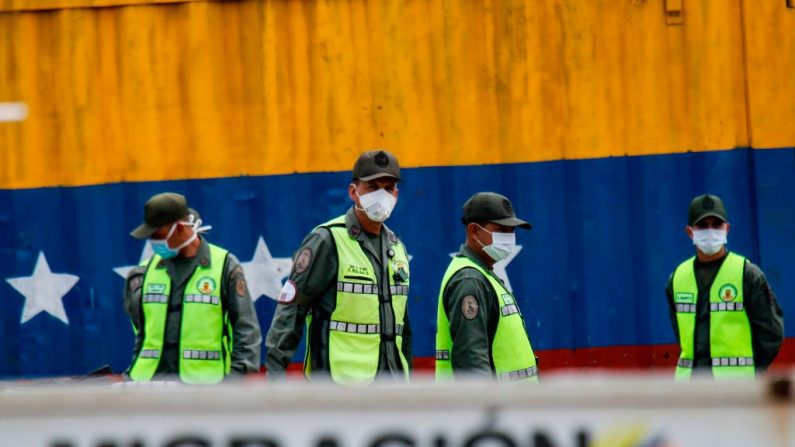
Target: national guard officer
[[724, 313], [189, 304], [480, 330], [349, 285]]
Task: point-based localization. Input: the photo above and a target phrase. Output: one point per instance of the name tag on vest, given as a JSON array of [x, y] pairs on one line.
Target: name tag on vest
[[155, 288], [357, 270], [683, 297]]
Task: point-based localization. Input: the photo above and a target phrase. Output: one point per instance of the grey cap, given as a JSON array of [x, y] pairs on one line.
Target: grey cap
[[376, 164], [492, 207], [161, 209], [706, 205]]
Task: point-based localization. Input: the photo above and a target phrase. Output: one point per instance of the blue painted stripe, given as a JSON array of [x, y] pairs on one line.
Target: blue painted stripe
[[607, 233]]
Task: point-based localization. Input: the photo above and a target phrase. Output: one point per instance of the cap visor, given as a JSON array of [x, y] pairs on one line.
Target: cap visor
[[143, 231], [513, 222], [379, 175]]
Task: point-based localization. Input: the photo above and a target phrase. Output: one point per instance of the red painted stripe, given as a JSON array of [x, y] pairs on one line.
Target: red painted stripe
[[647, 358]]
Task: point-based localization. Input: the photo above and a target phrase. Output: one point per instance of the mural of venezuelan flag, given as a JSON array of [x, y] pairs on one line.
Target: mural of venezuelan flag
[[600, 121]]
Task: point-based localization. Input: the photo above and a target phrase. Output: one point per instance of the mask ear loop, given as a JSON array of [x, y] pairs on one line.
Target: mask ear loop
[[201, 230], [196, 224], [478, 240], [170, 232], [358, 207]]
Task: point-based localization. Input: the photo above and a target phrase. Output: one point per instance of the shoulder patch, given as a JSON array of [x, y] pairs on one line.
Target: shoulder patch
[[241, 288], [469, 307], [288, 293], [303, 260], [135, 282]]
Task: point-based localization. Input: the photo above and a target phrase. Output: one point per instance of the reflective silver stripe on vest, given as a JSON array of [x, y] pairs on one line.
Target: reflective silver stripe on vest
[[399, 290], [509, 310], [520, 374], [201, 355], [349, 287], [686, 308], [354, 328], [724, 307], [149, 354], [151, 298], [202, 299], [732, 361], [442, 355], [685, 363], [369, 289]]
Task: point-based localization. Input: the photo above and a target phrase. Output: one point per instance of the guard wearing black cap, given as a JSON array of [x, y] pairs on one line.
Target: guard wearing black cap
[[349, 286], [192, 314], [480, 330], [724, 313]]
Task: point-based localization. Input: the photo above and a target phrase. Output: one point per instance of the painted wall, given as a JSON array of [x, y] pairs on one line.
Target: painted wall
[[599, 120]]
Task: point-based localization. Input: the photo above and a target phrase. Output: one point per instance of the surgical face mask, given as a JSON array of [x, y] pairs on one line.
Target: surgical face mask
[[378, 205], [502, 245], [709, 241], [161, 247]]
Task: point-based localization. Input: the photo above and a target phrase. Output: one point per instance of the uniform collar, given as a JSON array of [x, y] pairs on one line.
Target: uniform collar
[[466, 251], [355, 230]]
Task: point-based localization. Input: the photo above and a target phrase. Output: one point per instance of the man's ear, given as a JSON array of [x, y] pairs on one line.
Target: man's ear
[[472, 229], [352, 192], [689, 231]]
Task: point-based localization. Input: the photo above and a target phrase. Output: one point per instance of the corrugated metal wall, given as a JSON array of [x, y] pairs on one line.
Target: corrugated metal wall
[[598, 119], [273, 87]]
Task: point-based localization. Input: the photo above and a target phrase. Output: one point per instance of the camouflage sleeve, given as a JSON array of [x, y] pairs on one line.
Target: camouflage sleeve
[[470, 305], [246, 335], [132, 305], [314, 268], [765, 316]]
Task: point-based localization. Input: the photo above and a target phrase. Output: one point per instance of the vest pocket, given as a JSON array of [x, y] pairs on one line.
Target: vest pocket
[[353, 355]]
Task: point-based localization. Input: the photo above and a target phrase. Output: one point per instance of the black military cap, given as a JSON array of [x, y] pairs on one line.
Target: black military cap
[[376, 164], [161, 209], [492, 207], [706, 205]]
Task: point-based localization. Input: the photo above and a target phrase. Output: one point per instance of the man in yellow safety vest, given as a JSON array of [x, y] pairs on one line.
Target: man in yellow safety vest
[[480, 329], [189, 304], [724, 313], [349, 287]]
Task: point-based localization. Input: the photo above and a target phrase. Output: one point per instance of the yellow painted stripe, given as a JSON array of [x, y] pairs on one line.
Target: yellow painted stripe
[[770, 31], [215, 89]]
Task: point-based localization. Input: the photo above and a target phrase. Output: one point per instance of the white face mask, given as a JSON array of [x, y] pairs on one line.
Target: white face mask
[[502, 245], [161, 247], [709, 241], [378, 205]]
